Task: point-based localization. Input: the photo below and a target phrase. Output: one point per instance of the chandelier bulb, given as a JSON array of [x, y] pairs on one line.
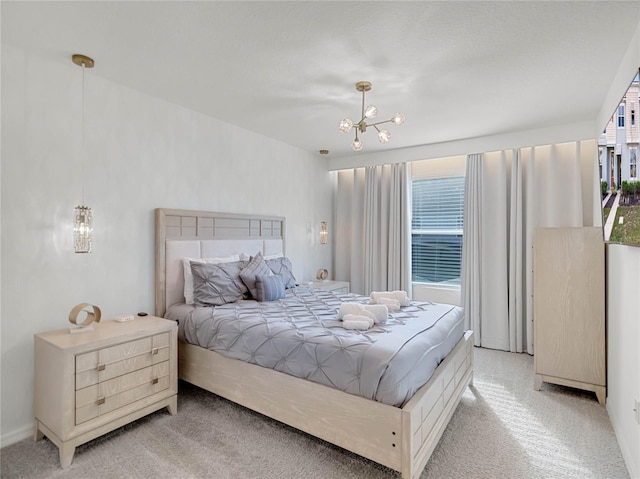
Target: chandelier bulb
[[345, 125], [371, 111], [398, 119], [384, 136], [357, 144]]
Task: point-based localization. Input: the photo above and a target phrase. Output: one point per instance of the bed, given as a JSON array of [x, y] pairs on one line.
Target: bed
[[401, 438]]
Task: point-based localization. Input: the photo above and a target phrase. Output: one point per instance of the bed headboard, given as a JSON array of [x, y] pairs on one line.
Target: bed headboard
[[205, 234]]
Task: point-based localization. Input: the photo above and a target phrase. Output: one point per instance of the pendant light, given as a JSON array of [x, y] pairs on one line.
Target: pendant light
[[82, 230]]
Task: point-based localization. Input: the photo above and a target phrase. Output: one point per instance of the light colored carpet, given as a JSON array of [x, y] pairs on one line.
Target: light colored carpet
[[501, 429]]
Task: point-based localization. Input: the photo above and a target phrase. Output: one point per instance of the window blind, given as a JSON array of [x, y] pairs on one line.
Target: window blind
[[436, 230]]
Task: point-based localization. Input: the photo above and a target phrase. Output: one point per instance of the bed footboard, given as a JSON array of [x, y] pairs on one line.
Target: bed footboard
[[426, 415], [368, 428], [402, 439]]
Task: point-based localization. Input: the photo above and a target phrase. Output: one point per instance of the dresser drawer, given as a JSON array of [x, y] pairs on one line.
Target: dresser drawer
[[104, 364], [104, 397]]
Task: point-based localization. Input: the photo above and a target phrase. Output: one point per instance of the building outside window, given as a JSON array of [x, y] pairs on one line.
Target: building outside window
[[621, 116], [436, 230], [600, 161], [633, 163]]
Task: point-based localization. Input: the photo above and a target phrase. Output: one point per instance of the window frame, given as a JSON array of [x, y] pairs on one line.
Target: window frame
[[439, 230], [621, 116]]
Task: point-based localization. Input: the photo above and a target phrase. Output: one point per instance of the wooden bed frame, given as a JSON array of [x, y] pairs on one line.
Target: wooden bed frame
[[399, 438]]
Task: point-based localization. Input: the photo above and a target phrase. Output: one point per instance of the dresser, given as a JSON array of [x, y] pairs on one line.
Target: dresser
[[337, 286], [87, 384], [569, 308]]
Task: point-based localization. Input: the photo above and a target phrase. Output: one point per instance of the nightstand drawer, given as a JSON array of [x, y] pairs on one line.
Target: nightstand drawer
[[106, 396], [104, 364]]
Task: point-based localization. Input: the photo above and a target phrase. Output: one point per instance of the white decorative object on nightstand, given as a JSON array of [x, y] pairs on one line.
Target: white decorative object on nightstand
[[89, 384], [337, 286]]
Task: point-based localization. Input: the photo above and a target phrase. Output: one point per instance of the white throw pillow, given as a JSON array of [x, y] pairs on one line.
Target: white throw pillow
[[188, 276]]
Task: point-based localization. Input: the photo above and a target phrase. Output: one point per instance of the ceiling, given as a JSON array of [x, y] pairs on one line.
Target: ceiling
[[457, 70]]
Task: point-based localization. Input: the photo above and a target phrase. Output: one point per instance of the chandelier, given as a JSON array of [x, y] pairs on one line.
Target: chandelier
[[368, 113]]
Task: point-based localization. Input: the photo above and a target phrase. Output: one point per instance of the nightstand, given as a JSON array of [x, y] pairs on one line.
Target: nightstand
[[88, 384], [337, 286]]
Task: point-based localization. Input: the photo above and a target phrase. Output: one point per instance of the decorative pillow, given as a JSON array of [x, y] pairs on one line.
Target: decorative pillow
[[283, 268], [188, 276], [269, 288], [217, 284], [256, 267]]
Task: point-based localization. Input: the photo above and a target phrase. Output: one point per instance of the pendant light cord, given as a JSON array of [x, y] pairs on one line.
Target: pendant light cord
[[82, 139]]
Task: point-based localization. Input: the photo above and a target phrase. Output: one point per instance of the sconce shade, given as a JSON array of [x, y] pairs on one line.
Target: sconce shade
[[83, 230], [323, 232]]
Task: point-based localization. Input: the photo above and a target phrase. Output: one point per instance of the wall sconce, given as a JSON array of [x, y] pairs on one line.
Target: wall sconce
[[82, 230], [323, 232]]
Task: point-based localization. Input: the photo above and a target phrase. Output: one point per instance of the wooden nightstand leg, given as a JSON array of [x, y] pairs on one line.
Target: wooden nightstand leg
[[37, 433], [66, 455], [601, 394], [172, 407]]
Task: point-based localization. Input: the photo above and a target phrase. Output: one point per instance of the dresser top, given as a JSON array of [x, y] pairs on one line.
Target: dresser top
[[108, 332]]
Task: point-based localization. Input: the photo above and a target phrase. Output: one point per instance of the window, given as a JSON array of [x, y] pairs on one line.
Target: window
[[600, 162], [621, 116], [633, 114], [633, 162], [436, 230]]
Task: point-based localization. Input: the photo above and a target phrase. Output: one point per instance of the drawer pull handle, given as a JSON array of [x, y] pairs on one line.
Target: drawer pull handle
[[100, 401], [100, 367], [154, 351], [154, 381]]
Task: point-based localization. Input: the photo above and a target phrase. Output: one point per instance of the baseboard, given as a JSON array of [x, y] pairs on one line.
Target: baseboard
[[16, 436], [633, 467]]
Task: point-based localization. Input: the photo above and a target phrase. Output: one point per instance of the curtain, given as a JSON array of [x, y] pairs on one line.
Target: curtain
[[373, 228], [471, 245], [507, 195]]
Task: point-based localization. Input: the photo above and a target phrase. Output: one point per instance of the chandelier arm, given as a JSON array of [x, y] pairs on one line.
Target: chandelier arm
[[363, 116], [380, 122]]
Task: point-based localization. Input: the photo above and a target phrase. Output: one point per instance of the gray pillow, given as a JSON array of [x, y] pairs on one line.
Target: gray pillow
[[217, 284], [256, 267], [283, 268], [269, 288]]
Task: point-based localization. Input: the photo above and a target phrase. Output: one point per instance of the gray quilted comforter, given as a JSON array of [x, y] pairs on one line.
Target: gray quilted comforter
[[301, 335]]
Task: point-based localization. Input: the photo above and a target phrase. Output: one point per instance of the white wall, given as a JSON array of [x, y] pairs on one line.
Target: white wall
[[142, 153], [623, 368]]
